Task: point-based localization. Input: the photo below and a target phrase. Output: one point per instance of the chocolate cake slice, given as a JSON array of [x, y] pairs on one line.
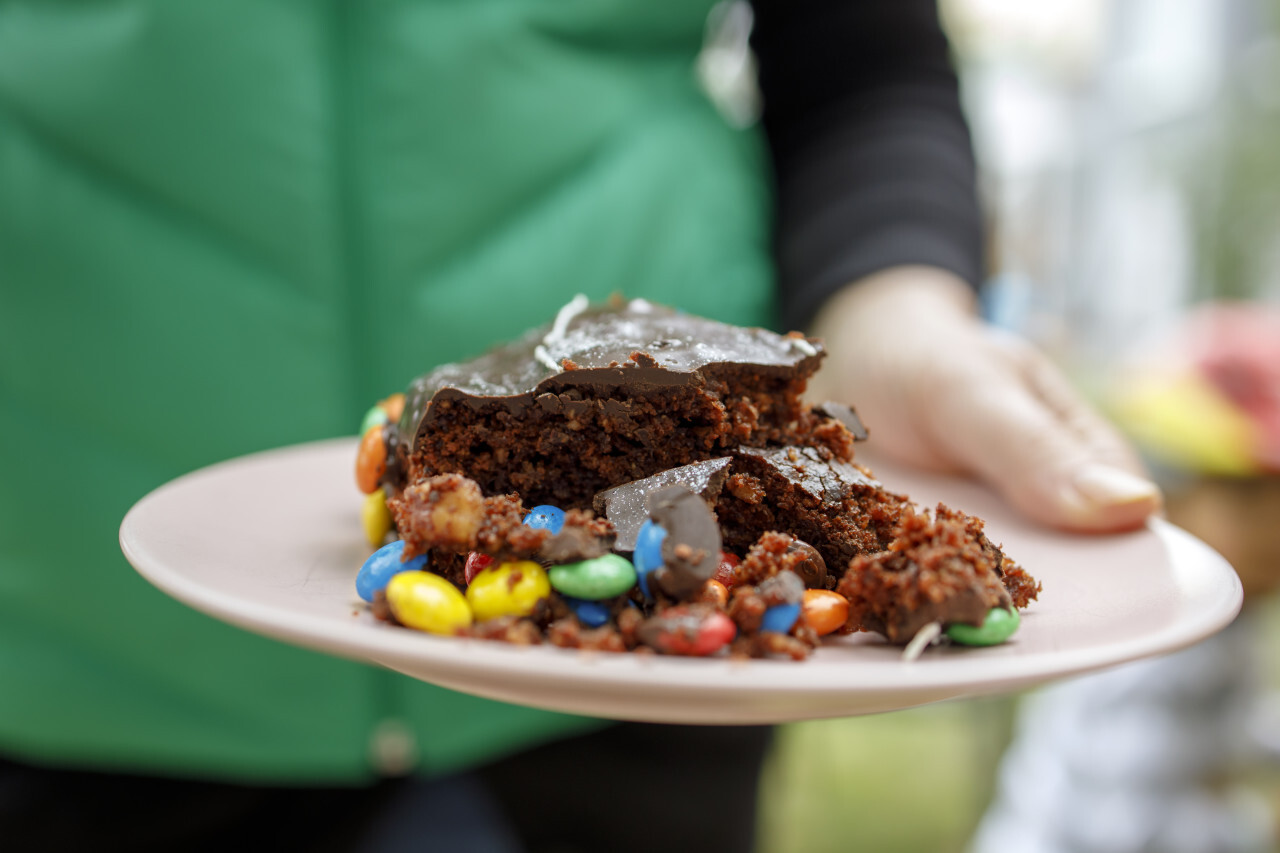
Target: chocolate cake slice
[[833, 505], [643, 414], [604, 395], [940, 567]]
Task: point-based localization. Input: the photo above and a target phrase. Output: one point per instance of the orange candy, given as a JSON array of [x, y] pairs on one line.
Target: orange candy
[[371, 460], [714, 592], [393, 406], [824, 611]]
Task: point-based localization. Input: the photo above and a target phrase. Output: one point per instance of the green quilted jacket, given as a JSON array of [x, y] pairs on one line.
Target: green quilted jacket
[[232, 226]]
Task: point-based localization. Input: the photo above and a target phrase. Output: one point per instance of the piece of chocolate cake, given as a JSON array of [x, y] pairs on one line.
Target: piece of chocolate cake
[[604, 395], [833, 505], [939, 568], [695, 432]]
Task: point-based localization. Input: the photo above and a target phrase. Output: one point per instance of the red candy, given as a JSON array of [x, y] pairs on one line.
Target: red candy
[[726, 572], [476, 563], [688, 630]]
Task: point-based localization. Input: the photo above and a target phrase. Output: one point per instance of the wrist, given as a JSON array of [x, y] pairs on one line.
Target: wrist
[[906, 295]]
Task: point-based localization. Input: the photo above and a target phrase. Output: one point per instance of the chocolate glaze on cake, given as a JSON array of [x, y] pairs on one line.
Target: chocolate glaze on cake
[[599, 343]]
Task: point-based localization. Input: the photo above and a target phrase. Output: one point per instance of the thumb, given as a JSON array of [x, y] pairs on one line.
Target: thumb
[[1018, 424]]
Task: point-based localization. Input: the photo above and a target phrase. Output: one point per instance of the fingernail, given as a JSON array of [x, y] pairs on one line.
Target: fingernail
[[1106, 485]]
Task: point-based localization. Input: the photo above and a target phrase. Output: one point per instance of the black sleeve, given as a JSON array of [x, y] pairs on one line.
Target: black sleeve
[[872, 157]]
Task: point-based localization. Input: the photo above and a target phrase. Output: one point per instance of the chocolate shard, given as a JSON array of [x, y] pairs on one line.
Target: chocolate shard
[[691, 549], [845, 415], [626, 506]]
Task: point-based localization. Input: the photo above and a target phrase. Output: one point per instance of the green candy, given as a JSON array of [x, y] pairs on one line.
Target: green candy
[[594, 579], [995, 629], [376, 416]]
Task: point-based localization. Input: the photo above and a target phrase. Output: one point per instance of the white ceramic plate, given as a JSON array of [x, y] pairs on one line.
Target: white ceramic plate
[[272, 542]]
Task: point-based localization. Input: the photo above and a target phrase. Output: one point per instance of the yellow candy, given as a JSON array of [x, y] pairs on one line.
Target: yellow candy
[[509, 589], [1187, 423], [428, 602], [376, 517]]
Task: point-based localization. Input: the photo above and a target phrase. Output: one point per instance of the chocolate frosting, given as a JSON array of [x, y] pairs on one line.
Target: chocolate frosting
[[604, 347]]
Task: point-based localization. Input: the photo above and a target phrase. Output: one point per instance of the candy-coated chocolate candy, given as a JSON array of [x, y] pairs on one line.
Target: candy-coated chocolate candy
[[688, 629], [508, 589], [811, 568], [384, 411], [393, 406], [545, 517], [371, 460], [602, 577], [428, 602], [376, 517], [476, 563], [382, 565], [824, 610], [779, 618], [648, 553], [715, 593], [593, 614], [375, 417], [995, 629], [726, 572]]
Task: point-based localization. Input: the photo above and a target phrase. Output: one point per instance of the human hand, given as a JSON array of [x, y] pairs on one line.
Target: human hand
[[940, 389]]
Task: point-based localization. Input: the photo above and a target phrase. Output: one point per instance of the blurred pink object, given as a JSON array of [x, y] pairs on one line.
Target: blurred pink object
[[1237, 347]]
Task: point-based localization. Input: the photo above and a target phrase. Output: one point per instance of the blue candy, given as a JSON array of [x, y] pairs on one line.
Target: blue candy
[[779, 618], [648, 553], [593, 614], [383, 565], [545, 517]]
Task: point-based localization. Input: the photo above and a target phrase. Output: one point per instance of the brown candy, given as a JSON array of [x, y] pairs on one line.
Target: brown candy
[[804, 559]]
